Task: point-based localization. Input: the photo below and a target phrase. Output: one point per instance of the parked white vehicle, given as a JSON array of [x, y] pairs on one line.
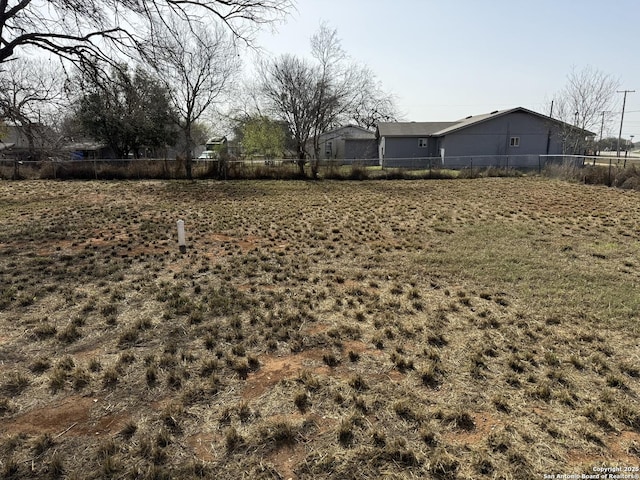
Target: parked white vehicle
[[208, 155]]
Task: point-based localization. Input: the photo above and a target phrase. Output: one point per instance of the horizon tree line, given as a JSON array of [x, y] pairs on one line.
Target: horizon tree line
[[162, 94], [151, 74]]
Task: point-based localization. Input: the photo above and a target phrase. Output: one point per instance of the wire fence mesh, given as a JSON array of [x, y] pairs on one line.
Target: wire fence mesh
[[108, 169]]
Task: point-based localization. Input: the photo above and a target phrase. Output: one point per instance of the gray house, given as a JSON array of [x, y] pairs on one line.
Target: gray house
[[347, 143], [87, 149], [26, 142], [487, 137]]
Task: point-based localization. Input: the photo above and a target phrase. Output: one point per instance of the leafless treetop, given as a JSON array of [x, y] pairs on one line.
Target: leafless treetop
[[84, 29], [587, 94]]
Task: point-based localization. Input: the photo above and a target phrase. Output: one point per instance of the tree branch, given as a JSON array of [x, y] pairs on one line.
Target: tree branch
[[126, 25]]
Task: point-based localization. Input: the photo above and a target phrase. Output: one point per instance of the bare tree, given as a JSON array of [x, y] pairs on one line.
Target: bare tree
[[315, 97], [334, 87], [289, 87], [82, 29], [198, 65], [588, 94], [352, 91], [373, 104], [31, 91]]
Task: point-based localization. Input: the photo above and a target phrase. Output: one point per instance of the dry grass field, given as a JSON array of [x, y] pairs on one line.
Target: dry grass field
[[463, 329]]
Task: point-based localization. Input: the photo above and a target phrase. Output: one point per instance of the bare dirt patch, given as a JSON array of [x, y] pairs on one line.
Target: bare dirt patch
[[480, 326], [203, 446], [286, 459], [475, 436], [275, 369], [74, 412]]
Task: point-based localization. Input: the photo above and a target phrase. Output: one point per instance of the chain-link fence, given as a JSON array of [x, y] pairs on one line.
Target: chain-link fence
[[433, 167], [520, 162]]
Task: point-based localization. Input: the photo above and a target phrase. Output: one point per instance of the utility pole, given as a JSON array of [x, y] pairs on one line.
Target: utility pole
[[602, 126], [624, 102]]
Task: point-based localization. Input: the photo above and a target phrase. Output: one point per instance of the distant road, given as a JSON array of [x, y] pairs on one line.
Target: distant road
[[605, 157]]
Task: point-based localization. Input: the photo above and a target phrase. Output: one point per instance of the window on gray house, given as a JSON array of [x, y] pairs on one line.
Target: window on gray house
[[515, 141], [422, 142], [328, 149]]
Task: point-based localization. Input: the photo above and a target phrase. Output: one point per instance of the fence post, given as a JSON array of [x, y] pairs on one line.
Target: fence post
[[609, 172], [539, 164], [471, 166]]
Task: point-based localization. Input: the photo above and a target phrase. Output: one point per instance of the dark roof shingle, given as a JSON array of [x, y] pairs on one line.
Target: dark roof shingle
[[411, 129], [418, 129]]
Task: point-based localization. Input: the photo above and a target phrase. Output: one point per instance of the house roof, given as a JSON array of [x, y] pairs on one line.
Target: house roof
[[437, 129], [411, 129], [475, 119], [88, 146], [350, 132]]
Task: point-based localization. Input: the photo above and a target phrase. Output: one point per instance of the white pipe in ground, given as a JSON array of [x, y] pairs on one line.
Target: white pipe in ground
[[181, 237]]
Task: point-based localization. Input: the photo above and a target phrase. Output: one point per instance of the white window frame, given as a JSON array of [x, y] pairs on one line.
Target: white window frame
[[423, 143], [328, 148], [514, 142]]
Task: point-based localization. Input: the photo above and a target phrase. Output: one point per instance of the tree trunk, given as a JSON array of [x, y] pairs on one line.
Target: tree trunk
[[187, 157], [301, 163], [187, 167], [30, 139], [301, 160], [315, 163]]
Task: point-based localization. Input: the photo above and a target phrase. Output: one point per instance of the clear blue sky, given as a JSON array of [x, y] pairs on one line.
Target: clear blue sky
[[446, 59]]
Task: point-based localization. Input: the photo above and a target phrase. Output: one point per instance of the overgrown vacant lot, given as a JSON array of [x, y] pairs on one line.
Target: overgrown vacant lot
[[408, 329]]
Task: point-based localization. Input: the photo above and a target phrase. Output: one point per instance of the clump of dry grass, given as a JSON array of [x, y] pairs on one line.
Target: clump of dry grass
[[14, 383], [377, 332]]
